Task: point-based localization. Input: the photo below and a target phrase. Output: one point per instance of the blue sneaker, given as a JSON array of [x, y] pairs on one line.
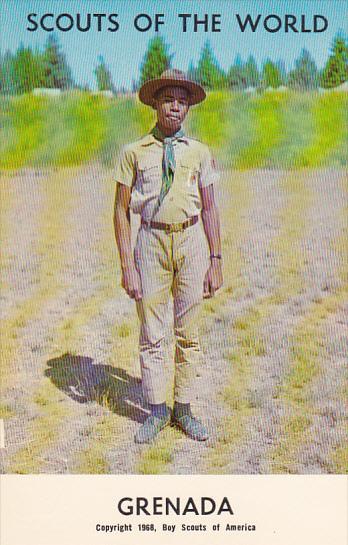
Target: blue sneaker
[[151, 428], [191, 426]]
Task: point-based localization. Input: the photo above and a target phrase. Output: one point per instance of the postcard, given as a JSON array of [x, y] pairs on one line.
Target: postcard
[[174, 272]]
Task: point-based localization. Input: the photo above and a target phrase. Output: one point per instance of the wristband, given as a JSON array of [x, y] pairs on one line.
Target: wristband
[[215, 256]]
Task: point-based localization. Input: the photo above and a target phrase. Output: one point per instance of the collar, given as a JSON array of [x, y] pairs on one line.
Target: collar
[[149, 140]]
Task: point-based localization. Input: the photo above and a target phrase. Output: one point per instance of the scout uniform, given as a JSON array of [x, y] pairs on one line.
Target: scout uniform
[[171, 260], [165, 175]]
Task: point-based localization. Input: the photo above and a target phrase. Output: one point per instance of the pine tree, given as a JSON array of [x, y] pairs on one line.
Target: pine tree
[[103, 75], [251, 73], [7, 83], [57, 71], [209, 72], [236, 76], [271, 76], [192, 72], [2, 75], [156, 60], [336, 70], [280, 64], [305, 74], [28, 70]]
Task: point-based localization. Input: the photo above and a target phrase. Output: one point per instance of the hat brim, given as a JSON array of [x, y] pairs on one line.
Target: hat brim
[[148, 90]]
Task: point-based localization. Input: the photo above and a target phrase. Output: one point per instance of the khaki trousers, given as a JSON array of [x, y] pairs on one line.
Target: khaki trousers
[[170, 265]]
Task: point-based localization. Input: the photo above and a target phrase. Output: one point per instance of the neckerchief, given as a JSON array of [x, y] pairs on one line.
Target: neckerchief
[[168, 161]]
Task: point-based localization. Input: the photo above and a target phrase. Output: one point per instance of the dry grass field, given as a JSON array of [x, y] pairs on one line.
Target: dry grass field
[[272, 387]]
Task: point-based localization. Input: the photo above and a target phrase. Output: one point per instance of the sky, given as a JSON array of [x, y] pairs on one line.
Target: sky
[[123, 51]]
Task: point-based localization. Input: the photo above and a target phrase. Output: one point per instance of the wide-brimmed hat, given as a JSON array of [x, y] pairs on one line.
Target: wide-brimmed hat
[[171, 77]]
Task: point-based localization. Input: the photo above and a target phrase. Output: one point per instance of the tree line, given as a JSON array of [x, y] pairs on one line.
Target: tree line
[[25, 70], [241, 75]]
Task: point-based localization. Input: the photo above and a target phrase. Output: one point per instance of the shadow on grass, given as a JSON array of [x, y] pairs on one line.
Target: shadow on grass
[[83, 381]]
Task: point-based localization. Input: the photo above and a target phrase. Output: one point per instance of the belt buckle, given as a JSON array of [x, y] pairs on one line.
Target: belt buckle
[[174, 228], [178, 227]]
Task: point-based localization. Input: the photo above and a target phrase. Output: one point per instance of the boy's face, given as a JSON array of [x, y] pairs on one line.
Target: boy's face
[[172, 106]]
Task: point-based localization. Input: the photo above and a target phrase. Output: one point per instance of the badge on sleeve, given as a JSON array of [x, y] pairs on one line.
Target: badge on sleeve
[[194, 177]]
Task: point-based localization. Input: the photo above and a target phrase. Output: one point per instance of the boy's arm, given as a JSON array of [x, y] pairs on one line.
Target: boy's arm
[[130, 276], [211, 223]]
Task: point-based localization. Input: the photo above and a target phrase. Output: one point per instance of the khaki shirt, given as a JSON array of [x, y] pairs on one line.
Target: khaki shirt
[[140, 168]]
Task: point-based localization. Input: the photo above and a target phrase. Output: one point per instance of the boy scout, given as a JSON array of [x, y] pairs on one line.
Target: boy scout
[[168, 178]]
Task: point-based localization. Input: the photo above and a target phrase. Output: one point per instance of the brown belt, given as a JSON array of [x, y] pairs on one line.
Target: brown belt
[[170, 227]]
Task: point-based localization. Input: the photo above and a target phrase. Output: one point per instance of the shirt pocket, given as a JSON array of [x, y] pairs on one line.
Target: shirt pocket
[[189, 174], [149, 177]]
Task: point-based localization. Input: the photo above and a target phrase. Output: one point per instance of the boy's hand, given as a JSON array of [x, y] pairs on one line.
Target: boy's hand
[[213, 279], [131, 282]]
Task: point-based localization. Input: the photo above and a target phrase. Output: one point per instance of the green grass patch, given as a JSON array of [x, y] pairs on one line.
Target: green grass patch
[[84, 129], [288, 130], [23, 122], [6, 411], [298, 131], [330, 134], [158, 456], [124, 330], [283, 459], [340, 460], [92, 460], [126, 121], [269, 128], [210, 122]]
